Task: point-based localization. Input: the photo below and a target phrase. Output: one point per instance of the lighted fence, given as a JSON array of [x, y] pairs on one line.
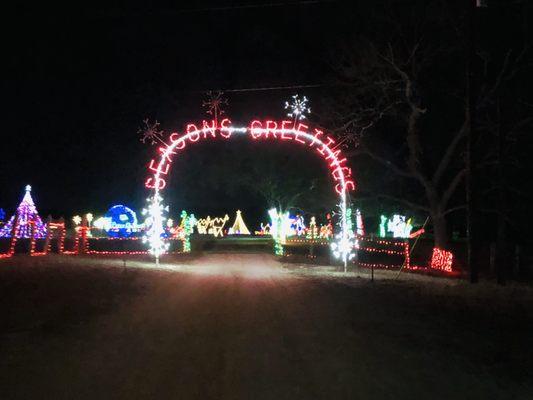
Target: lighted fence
[[81, 243], [375, 253]]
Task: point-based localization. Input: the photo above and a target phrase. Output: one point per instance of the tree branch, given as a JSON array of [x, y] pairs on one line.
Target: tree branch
[[393, 167], [448, 154], [453, 209], [404, 201], [452, 187]]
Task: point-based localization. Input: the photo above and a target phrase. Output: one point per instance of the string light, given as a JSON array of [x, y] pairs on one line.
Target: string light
[[154, 222], [238, 227], [398, 225], [265, 230], [187, 224], [359, 223], [297, 108], [293, 131], [442, 260], [306, 241], [14, 236], [344, 245], [312, 232], [298, 226], [279, 229], [87, 250], [212, 226], [55, 227], [118, 221], [26, 214], [326, 231], [388, 247], [417, 233]]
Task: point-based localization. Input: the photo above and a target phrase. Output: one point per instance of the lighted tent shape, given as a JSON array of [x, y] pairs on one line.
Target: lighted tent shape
[[239, 227], [26, 214]]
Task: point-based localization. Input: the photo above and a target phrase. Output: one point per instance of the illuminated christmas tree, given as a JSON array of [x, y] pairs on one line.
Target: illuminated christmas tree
[[239, 227], [26, 215]]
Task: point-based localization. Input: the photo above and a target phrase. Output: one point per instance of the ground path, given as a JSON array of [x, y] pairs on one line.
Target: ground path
[[242, 327]]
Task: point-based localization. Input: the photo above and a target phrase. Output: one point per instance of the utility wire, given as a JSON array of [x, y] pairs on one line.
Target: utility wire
[[263, 89], [170, 11], [259, 5], [266, 88]]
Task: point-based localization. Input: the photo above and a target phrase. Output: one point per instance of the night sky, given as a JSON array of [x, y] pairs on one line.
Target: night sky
[[77, 86]]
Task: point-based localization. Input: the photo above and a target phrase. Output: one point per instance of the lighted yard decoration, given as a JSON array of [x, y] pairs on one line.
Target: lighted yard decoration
[[212, 226], [398, 225], [264, 229], [119, 221], [326, 231], [238, 227], [298, 227], [312, 232], [290, 131], [280, 224], [441, 259], [187, 224], [360, 227], [27, 220]]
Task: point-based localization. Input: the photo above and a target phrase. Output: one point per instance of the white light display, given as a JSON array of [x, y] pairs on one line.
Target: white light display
[[298, 108], [399, 226], [154, 222], [238, 227], [359, 223], [279, 229], [212, 226]]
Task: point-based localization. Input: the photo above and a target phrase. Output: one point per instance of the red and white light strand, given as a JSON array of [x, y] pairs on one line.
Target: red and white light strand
[[293, 131]]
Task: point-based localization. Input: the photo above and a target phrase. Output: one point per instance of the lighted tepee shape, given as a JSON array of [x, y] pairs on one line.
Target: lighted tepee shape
[[239, 227], [26, 215]]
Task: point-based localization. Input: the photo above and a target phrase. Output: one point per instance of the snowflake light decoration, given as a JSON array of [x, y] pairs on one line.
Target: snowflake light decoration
[[298, 108], [150, 132], [154, 222], [214, 104]]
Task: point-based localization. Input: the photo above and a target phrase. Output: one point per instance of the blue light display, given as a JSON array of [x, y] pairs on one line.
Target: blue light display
[[121, 221]]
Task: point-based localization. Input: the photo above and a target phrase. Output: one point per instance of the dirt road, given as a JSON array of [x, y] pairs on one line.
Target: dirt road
[[241, 327]]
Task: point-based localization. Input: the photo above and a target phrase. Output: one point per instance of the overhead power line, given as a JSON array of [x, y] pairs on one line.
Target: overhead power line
[[263, 89], [257, 5]]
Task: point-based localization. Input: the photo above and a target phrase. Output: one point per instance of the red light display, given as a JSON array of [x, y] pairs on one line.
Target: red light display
[[442, 260], [269, 129]]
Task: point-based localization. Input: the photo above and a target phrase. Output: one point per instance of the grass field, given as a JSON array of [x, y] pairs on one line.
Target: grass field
[[241, 326]]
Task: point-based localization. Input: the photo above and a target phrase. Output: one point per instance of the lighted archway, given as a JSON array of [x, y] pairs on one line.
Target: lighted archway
[[296, 132]]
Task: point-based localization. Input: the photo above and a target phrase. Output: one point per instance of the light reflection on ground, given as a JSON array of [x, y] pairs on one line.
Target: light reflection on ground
[[248, 266]]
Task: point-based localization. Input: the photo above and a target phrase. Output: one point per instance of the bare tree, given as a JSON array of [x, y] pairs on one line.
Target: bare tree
[[396, 86], [504, 119]]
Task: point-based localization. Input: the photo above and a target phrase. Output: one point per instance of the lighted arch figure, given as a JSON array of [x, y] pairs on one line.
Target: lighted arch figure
[[297, 132]]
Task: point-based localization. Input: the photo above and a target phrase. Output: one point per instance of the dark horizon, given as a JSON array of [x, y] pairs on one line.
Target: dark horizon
[[78, 89]]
